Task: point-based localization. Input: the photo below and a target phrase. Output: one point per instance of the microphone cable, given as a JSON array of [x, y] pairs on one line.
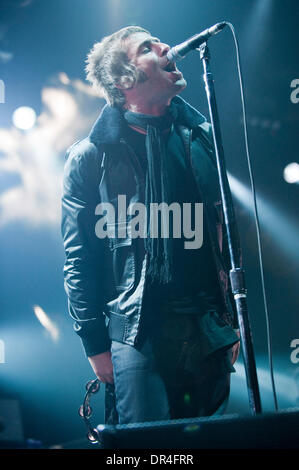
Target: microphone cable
[[256, 217]]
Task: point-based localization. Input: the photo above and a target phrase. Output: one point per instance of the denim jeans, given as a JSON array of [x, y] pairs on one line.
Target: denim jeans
[[156, 382], [139, 390]]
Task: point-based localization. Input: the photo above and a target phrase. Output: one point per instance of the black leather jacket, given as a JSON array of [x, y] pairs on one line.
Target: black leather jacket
[[105, 279]]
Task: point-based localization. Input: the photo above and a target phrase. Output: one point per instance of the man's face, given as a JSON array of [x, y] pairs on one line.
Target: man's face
[[157, 82]]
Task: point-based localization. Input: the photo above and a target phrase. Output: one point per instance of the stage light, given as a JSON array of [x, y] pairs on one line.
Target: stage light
[[46, 322], [291, 173], [283, 231], [286, 383], [64, 78], [256, 31], [7, 141], [24, 118]]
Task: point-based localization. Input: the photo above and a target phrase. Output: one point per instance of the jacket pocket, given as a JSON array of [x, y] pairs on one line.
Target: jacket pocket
[[123, 256]]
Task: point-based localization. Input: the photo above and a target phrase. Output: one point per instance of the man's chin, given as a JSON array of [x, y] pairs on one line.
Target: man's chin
[[181, 84]]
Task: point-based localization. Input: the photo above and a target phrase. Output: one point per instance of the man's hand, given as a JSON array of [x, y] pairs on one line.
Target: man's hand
[[102, 366], [236, 349]]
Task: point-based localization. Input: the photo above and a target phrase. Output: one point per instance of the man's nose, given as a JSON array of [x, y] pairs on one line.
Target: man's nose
[[163, 48]]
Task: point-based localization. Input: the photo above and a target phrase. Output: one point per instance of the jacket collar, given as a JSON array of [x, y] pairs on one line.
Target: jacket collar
[[110, 125]]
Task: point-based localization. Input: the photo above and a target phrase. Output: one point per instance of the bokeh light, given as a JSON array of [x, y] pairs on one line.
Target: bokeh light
[[291, 173], [24, 118]]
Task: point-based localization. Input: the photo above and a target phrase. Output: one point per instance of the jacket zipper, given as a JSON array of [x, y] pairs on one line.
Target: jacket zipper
[[136, 159]]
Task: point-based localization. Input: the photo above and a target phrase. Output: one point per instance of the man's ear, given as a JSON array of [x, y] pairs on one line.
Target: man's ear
[[125, 83]]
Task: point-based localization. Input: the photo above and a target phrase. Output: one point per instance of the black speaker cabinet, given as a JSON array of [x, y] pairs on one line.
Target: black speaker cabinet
[[265, 431]]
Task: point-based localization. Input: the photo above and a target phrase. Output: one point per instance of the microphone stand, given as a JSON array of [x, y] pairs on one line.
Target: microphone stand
[[237, 277]]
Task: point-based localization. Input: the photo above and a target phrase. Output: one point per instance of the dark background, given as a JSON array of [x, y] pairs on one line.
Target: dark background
[[43, 46]]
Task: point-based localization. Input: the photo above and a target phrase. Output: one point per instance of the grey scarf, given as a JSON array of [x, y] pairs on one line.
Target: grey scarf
[[160, 250]]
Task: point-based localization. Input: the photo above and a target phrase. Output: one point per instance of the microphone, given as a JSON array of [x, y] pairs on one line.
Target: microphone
[[178, 52]]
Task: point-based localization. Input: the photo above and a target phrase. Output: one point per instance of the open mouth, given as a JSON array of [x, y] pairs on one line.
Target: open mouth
[[170, 67]]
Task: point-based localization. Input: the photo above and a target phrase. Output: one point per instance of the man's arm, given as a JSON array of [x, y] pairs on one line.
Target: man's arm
[[85, 258]]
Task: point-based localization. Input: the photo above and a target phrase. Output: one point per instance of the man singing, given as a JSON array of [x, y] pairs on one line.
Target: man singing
[[155, 315]]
